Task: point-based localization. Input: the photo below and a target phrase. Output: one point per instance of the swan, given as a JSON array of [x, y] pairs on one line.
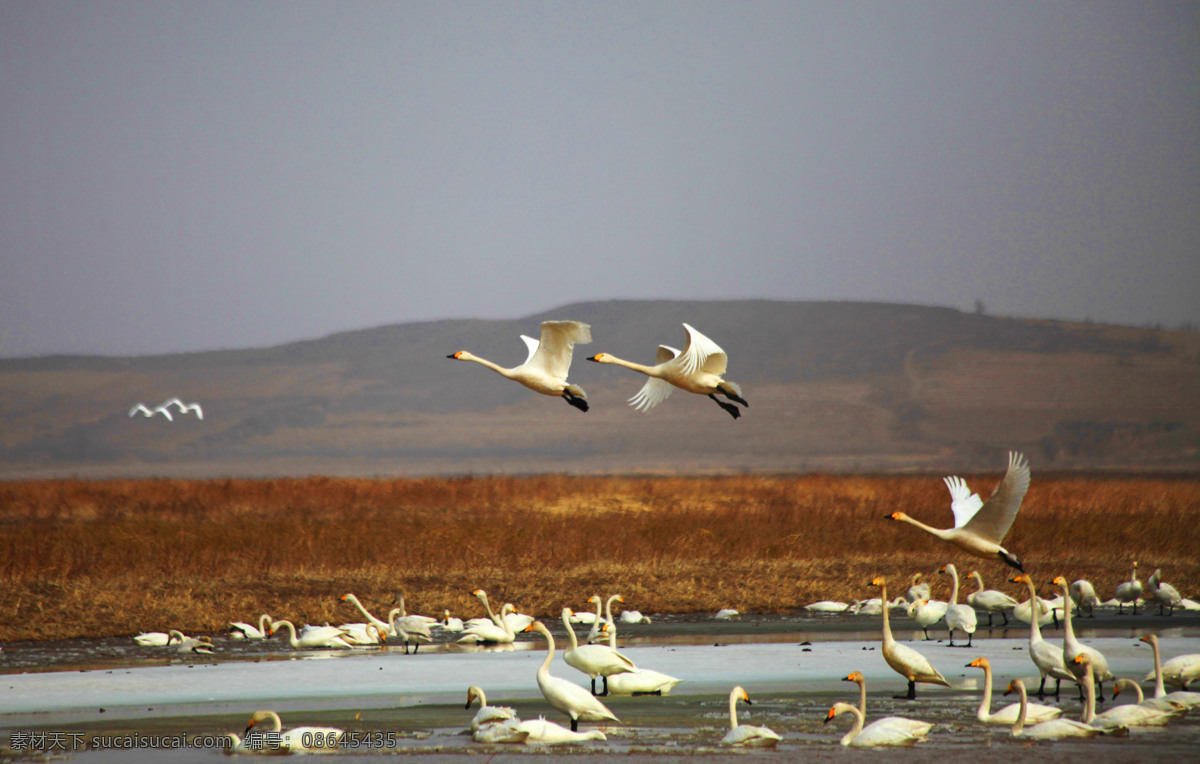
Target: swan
[[549, 733], [409, 628], [926, 613], [1047, 657], [1073, 648], [1034, 712], [961, 617], [874, 606], [428, 621], [363, 634], [640, 681], [861, 681], [1168, 596], [183, 407], [698, 369], [241, 630], [295, 740], [904, 660], [312, 636], [892, 730], [383, 626], [159, 638], [1180, 671], [1184, 698], [516, 621], [979, 528], [1083, 594], [1114, 720], [919, 589], [449, 623], [1049, 730], [633, 616], [594, 635], [1129, 591], [508, 731], [487, 714], [1047, 615], [593, 660], [545, 369], [140, 408], [746, 735], [566, 696], [727, 614], [501, 634], [202, 645], [597, 618], [1156, 711], [991, 601], [827, 606]]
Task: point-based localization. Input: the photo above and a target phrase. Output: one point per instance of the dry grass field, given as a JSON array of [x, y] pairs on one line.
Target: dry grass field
[[105, 558]]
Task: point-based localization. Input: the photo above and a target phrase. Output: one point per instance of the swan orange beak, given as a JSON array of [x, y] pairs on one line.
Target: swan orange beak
[[829, 717], [595, 358]]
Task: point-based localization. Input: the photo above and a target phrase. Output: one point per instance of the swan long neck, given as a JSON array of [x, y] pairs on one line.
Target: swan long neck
[[1068, 629], [608, 608], [733, 699], [488, 607], [928, 529], [1019, 725], [268, 716], [1159, 690], [493, 366], [887, 626], [985, 705], [953, 584], [291, 627], [545, 669], [650, 371], [862, 697], [1141, 697], [370, 618], [856, 730], [1089, 691], [1035, 629], [572, 640], [264, 623]]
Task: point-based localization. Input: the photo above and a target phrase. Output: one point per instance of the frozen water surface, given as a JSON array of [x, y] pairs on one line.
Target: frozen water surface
[[412, 705]]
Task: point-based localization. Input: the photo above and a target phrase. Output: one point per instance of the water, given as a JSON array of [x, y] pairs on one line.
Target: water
[[82, 697]]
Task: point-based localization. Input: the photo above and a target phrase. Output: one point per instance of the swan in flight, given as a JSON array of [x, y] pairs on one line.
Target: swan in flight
[[980, 527], [1073, 648], [961, 617], [242, 630], [991, 601], [295, 740], [1129, 591], [487, 714], [904, 660], [183, 407], [1048, 730], [565, 695], [1181, 697], [140, 408], [545, 369], [698, 369], [1035, 712], [746, 735], [891, 730], [593, 660]]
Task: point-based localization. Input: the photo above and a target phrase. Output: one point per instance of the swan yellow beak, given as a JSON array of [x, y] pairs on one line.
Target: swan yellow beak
[[829, 716], [597, 358]]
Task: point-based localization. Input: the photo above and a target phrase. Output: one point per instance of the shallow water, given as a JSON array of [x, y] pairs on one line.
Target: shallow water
[[81, 698]]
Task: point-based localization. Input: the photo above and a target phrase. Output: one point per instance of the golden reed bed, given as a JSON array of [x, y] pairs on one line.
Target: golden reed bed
[[109, 558]]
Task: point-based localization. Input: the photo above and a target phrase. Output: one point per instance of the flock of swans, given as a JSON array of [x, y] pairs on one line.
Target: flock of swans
[[164, 409]]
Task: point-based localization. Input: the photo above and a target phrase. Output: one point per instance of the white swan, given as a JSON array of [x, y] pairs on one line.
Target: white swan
[[1047, 657], [201, 645], [961, 617], [1113, 721], [979, 529], [698, 369], [516, 621], [503, 634], [926, 613], [382, 625], [159, 638], [900, 721], [295, 740], [1181, 697], [594, 634], [1049, 730], [904, 660], [593, 660], [566, 696], [633, 616], [450, 623], [1072, 648], [508, 731], [409, 629], [746, 735], [991, 601], [1083, 594], [183, 407], [242, 630], [312, 636], [1154, 712], [1129, 591], [640, 681], [427, 621], [1035, 712], [1180, 671], [545, 369], [549, 733], [919, 589], [1168, 596], [487, 714], [140, 408], [727, 614], [889, 731], [827, 606]]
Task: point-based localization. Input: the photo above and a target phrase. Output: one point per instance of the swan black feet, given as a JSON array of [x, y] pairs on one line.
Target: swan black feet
[[912, 692], [732, 410], [575, 401]]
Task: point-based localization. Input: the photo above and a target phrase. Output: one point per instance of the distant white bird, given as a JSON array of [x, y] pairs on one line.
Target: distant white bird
[[904, 660], [926, 613], [889, 731], [727, 614], [633, 616], [1168, 596], [593, 660], [990, 601], [919, 589], [159, 638], [746, 735], [141, 409], [1084, 596], [1129, 591], [487, 714], [549, 733], [183, 407], [242, 630], [827, 606], [697, 369], [545, 369], [1072, 648], [980, 528]]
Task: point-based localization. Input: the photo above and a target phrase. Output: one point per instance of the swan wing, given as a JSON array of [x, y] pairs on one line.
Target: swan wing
[[701, 354], [963, 503], [530, 343], [553, 353], [996, 516], [666, 353], [654, 392]]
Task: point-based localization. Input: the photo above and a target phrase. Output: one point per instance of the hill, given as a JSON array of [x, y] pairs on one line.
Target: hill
[[832, 386]]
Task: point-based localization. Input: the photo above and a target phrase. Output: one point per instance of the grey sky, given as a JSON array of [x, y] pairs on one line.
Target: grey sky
[[193, 175]]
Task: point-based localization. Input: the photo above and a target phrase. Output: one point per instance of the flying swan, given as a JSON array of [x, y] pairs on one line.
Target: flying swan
[[545, 369], [698, 369]]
